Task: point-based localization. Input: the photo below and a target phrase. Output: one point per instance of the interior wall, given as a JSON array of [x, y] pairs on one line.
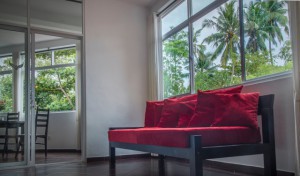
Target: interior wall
[[116, 70], [62, 137]]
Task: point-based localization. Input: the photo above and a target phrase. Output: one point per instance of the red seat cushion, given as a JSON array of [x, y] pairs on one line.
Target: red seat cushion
[[179, 137]]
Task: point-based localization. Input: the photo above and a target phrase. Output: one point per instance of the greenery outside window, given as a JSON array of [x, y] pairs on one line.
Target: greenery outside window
[[6, 82], [55, 83], [227, 43]]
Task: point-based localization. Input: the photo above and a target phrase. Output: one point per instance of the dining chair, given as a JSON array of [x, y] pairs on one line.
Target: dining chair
[[12, 132], [41, 127]]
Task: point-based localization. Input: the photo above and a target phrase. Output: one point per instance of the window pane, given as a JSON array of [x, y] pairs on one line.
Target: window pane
[[4, 63], [198, 5], [267, 41], [43, 59], [176, 64], [65, 56], [216, 48], [59, 15], [174, 18], [6, 88], [55, 89]]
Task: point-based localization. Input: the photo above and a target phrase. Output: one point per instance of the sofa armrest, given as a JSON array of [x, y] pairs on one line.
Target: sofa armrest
[[121, 128]]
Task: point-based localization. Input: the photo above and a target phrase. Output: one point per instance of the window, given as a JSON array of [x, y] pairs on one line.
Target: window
[[55, 79], [6, 82], [221, 44]]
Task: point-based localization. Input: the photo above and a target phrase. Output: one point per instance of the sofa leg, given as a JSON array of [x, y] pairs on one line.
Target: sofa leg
[[161, 165], [196, 163], [270, 162], [112, 157]]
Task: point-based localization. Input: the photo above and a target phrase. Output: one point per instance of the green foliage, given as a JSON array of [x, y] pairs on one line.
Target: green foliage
[[6, 92], [55, 88], [175, 64]]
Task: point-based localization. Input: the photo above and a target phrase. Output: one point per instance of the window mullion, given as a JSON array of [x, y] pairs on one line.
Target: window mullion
[[191, 58], [242, 40], [52, 57]]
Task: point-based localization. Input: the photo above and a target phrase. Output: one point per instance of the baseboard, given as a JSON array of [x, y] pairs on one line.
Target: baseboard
[[251, 170], [95, 159], [59, 150]]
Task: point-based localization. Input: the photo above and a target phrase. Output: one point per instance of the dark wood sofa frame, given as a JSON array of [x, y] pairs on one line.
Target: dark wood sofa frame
[[196, 153]]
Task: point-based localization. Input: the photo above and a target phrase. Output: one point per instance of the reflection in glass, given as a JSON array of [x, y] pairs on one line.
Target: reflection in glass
[[13, 12], [174, 18], [176, 64], [55, 89], [6, 92], [4, 63], [43, 59], [65, 56], [12, 86], [216, 48], [59, 15]]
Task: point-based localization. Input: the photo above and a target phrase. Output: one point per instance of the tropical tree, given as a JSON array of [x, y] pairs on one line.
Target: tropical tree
[[203, 59], [226, 38], [275, 19], [175, 64], [255, 28]]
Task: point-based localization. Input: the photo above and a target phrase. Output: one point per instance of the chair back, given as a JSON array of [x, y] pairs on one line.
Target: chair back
[[42, 120], [13, 116]]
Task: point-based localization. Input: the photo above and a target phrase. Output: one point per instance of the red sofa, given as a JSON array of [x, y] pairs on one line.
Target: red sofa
[[205, 138]]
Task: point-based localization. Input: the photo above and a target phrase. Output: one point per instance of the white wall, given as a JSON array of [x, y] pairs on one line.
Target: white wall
[[116, 69], [62, 131]]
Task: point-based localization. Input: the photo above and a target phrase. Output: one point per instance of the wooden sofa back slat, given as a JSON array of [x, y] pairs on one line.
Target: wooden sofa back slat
[[265, 109]]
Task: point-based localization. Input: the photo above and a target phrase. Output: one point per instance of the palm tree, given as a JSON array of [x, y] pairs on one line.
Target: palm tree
[[255, 28], [226, 39], [275, 19], [203, 60]]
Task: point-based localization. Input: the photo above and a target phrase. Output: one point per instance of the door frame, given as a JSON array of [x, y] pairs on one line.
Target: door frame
[[27, 118], [80, 85]]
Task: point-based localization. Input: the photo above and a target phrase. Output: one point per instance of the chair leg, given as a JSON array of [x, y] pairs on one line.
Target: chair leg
[[112, 157], [270, 162], [196, 163], [46, 149], [161, 165]]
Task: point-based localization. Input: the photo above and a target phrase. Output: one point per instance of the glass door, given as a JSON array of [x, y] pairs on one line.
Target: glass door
[[14, 96], [55, 75]]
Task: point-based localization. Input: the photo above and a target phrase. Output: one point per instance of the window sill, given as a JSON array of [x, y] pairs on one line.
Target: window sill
[[269, 78]]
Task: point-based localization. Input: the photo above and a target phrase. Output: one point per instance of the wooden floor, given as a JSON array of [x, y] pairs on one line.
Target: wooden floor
[[52, 157], [124, 167]]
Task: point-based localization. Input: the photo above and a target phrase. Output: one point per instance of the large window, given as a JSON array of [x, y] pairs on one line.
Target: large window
[[55, 79], [216, 44]]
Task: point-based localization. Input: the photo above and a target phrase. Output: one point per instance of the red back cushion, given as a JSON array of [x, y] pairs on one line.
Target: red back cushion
[[204, 112], [173, 109], [186, 112], [236, 109], [153, 113], [237, 89]]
